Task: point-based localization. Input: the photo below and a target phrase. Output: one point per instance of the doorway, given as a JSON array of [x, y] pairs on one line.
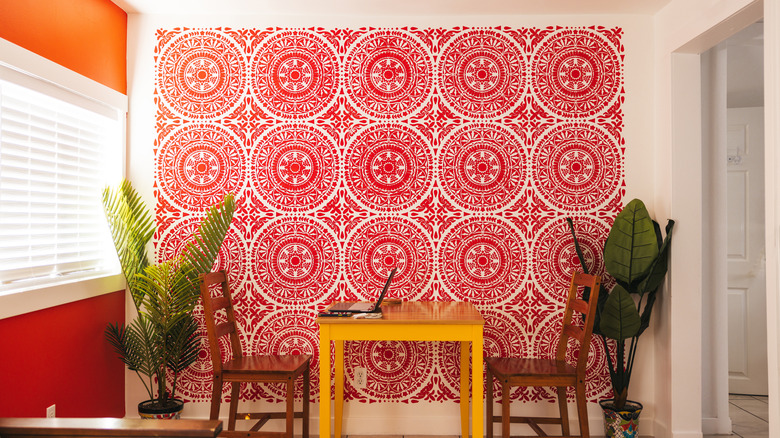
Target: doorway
[[734, 298]]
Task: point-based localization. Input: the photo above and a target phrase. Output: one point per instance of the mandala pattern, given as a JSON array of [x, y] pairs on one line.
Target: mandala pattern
[[451, 154], [482, 74], [576, 73], [200, 74], [482, 167], [294, 168], [294, 74], [556, 256], [379, 245], [198, 164], [388, 74], [295, 261], [577, 167], [399, 370], [483, 260], [389, 168]]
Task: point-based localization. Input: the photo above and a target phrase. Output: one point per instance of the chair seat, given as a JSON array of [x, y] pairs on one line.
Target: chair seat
[[520, 367], [268, 364]]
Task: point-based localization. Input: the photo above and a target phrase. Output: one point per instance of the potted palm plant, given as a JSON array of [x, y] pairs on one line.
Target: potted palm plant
[[636, 255], [162, 340]]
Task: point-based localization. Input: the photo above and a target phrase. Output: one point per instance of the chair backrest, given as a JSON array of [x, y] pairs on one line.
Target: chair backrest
[[227, 325], [582, 333]]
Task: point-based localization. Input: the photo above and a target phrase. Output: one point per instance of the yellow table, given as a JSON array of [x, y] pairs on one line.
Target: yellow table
[[407, 321]]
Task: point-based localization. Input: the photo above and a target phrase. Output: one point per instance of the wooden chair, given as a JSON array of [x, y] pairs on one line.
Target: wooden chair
[[265, 368], [555, 371]]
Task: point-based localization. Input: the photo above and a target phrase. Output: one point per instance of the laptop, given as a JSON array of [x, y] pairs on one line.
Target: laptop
[[363, 306]]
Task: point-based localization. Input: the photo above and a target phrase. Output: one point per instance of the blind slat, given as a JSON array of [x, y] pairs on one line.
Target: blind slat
[[55, 157]]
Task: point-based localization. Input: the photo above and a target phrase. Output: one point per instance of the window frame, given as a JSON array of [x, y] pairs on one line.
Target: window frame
[[37, 297]]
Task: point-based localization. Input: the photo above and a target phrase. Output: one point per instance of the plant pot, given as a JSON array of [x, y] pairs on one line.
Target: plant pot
[[151, 410], [622, 423]]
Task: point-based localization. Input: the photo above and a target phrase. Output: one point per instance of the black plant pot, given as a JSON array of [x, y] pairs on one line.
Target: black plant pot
[[150, 409], [623, 423]]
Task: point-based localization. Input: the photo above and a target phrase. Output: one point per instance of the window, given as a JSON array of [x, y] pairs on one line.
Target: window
[[58, 149]]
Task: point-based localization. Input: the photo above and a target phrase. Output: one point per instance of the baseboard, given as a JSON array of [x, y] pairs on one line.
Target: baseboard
[[716, 426]]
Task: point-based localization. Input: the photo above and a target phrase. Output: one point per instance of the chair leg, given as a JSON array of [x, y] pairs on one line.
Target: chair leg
[[288, 430], [582, 409], [489, 403], [505, 409], [306, 389], [216, 398], [236, 386], [563, 410]]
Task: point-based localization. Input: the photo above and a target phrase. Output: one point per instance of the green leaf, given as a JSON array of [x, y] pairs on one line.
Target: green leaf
[[619, 317], [631, 246], [655, 277], [131, 226]]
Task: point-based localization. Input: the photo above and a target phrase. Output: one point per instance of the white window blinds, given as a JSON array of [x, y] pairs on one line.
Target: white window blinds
[[58, 150]]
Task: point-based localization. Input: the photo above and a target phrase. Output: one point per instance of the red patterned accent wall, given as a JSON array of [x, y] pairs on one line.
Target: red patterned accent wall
[[452, 153]]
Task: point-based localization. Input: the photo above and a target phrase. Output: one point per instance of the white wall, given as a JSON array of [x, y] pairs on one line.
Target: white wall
[[684, 29], [434, 418]]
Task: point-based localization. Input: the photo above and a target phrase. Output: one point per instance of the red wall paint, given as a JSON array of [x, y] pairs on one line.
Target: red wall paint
[[60, 356], [86, 36]]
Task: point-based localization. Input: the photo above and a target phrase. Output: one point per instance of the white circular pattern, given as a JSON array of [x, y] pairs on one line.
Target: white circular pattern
[[200, 74], [197, 164], [295, 74], [577, 167], [295, 261], [388, 74], [576, 73], [482, 167], [482, 73], [483, 260], [388, 168], [294, 167]]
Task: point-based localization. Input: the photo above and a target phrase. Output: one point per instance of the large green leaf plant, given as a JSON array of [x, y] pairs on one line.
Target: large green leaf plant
[[636, 255], [162, 340]]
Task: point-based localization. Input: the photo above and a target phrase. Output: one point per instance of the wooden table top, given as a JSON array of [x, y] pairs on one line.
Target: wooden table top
[[418, 312]]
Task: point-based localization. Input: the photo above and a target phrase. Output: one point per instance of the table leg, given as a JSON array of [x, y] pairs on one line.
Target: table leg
[[464, 389], [477, 364], [324, 381], [338, 364]]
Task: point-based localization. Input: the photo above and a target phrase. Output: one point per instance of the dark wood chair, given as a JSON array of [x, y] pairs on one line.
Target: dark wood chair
[[261, 368], [556, 372]]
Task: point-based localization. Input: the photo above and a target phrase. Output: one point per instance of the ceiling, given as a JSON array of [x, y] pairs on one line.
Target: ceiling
[[393, 7]]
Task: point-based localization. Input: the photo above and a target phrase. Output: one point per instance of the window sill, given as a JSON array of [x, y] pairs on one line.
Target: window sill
[[30, 300]]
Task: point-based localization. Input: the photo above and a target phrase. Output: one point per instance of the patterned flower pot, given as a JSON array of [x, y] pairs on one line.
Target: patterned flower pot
[[150, 410], [621, 423]]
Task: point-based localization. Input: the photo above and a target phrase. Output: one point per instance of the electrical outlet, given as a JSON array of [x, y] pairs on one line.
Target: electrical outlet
[[51, 411], [360, 377]]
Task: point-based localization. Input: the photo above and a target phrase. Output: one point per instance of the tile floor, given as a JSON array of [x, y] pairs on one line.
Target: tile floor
[[749, 419], [749, 416]]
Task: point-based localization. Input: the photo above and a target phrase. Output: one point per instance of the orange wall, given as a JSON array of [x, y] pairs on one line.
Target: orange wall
[[86, 36], [59, 355]]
